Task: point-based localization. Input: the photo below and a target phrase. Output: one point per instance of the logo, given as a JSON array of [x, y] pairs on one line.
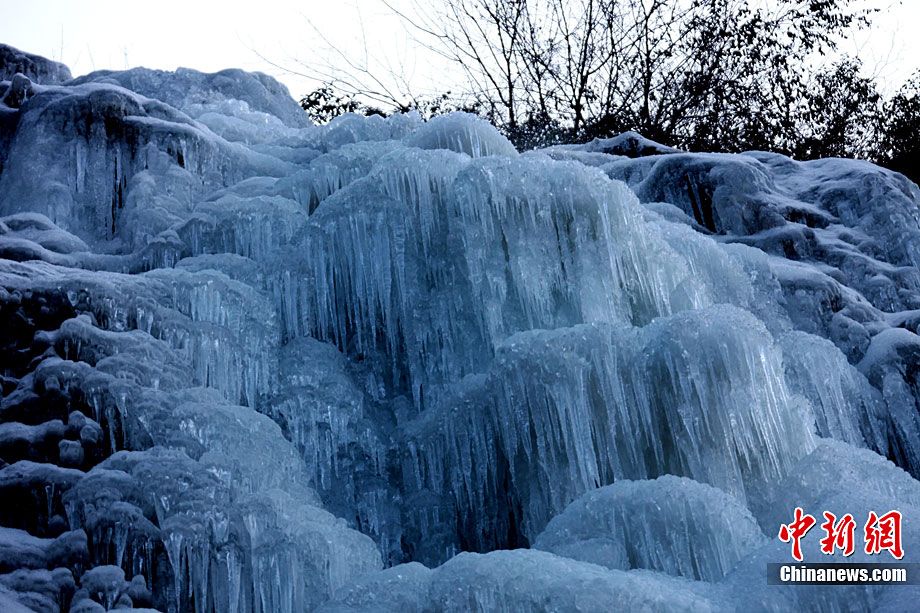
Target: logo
[[880, 533]]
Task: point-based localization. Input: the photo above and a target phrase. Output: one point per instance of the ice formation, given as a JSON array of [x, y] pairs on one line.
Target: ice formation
[[252, 364]]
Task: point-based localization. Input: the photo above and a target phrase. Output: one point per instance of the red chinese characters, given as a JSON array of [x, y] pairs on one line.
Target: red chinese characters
[[884, 534], [796, 531], [838, 534]]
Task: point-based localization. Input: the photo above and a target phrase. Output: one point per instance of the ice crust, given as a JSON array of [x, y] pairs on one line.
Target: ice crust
[[252, 364]]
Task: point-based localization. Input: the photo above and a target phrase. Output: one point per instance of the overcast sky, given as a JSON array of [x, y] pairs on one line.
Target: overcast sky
[[210, 35]]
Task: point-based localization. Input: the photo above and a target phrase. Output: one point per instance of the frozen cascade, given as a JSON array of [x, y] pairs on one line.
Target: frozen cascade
[[402, 261], [251, 364], [568, 410], [820, 372]]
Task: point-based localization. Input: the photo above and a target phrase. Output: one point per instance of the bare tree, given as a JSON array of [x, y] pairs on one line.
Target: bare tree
[[485, 37], [697, 73]]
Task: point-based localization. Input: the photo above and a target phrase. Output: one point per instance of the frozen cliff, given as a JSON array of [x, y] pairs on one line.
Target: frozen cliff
[[252, 364]]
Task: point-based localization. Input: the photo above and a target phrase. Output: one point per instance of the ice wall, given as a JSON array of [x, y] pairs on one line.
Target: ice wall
[[248, 363]]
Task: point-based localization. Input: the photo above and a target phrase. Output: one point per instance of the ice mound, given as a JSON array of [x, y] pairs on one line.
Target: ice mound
[[521, 580], [461, 133], [352, 128], [673, 525], [250, 364]]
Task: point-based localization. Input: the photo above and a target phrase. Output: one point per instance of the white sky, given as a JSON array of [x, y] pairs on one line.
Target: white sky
[[210, 35]]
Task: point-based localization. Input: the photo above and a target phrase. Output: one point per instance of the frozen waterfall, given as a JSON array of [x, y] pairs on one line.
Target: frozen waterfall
[[253, 364]]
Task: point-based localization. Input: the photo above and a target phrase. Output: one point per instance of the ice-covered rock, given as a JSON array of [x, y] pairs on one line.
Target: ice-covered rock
[[35, 67], [197, 92], [628, 144]]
